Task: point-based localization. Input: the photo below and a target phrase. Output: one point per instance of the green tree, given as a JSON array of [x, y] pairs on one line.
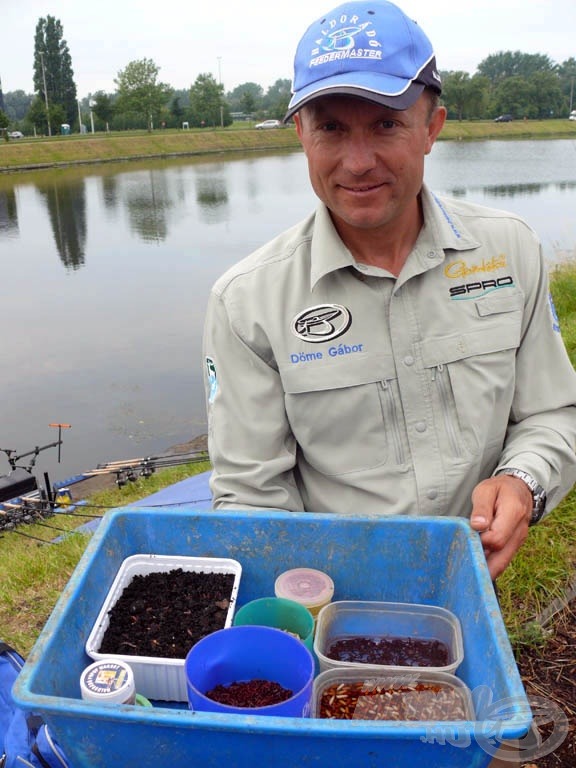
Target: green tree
[[277, 98], [207, 105], [103, 107], [455, 93], [4, 123], [463, 96], [248, 102], [506, 64], [513, 95], [139, 91], [37, 119], [547, 98], [177, 111], [17, 104], [567, 75], [53, 74], [246, 98]]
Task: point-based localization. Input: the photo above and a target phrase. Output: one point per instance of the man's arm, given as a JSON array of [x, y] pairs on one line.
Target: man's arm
[[541, 435], [250, 443]]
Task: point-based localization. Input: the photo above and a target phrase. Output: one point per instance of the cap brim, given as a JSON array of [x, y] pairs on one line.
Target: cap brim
[[398, 101]]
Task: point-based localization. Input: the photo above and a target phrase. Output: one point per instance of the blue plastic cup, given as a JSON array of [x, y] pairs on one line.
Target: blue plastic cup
[[241, 654]]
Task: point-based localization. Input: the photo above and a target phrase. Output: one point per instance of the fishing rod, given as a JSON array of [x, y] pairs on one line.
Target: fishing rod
[[128, 470]]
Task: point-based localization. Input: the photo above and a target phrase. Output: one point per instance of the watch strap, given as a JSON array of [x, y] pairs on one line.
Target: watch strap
[[538, 493]]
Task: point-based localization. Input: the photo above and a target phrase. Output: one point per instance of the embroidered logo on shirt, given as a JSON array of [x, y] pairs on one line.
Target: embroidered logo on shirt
[[461, 269], [555, 320], [323, 322], [212, 380], [480, 288]]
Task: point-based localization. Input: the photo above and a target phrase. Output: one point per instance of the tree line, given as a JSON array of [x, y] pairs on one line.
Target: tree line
[[523, 85]]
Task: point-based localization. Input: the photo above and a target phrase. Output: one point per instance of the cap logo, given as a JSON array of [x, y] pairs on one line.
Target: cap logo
[[339, 41]]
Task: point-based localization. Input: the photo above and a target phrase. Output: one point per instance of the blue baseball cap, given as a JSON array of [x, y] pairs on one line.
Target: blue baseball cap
[[371, 50]]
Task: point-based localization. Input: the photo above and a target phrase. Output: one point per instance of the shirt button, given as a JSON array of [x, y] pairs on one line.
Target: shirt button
[[432, 494], [420, 426], [408, 360], [431, 254], [363, 267]]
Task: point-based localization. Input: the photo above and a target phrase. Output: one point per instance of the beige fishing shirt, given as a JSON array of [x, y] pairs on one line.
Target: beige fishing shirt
[[334, 386]]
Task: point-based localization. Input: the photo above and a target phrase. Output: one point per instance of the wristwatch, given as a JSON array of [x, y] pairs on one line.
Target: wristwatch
[[538, 493]]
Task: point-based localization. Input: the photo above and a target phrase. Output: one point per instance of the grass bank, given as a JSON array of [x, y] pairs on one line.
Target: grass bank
[[34, 153], [32, 574]]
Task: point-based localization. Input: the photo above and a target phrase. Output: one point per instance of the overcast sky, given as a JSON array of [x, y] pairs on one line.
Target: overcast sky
[[254, 40]]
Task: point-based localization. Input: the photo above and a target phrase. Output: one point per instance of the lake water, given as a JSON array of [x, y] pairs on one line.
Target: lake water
[[105, 273]]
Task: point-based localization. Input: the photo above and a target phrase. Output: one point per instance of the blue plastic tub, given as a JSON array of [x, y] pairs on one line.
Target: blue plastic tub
[[433, 561], [240, 654]]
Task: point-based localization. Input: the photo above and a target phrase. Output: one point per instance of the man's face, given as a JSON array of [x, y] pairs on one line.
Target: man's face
[[366, 161]]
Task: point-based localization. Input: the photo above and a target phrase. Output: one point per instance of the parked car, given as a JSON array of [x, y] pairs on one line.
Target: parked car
[[16, 135], [572, 115], [269, 124], [503, 119]]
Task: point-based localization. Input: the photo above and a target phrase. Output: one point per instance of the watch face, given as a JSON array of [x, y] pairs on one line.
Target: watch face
[[539, 506]]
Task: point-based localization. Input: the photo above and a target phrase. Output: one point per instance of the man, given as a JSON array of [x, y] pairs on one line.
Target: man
[[395, 353]]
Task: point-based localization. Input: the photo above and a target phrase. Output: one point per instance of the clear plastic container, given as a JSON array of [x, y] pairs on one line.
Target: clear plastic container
[[157, 678], [357, 694], [372, 619], [312, 588]]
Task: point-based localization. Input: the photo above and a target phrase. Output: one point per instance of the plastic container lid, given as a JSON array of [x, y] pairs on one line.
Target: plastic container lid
[[108, 682], [307, 586]]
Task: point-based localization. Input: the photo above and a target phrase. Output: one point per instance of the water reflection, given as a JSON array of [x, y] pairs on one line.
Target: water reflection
[[66, 205], [110, 195], [148, 202], [212, 193], [514, 190], [8, 213], [107, 336]]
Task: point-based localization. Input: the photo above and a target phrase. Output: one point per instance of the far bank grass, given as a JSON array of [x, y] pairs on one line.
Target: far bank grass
[[31, 153], [33, 574]]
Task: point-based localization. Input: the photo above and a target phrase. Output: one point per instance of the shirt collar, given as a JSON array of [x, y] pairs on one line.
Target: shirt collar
[[328, 252], [440, 231]]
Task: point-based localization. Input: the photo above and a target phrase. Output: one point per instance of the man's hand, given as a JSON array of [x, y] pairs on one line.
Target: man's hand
[[501, 511]]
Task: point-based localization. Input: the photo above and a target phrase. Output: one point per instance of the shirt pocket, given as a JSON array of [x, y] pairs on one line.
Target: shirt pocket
[[345, 414], [472, 374]]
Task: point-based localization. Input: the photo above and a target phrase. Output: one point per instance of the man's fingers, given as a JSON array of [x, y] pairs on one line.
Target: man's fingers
[[483, 505]]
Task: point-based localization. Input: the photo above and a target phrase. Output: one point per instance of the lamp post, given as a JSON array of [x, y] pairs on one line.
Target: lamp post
[[45, 93], [220, 84]]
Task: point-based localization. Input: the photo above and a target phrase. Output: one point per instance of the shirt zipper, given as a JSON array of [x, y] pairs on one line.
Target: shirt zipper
[[391, 420], [439, 376]]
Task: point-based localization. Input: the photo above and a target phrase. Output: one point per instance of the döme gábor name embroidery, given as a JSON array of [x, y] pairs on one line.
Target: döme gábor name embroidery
[[341, 349]]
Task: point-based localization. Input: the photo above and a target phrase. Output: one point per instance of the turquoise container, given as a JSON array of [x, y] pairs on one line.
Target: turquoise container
[[281, 613]]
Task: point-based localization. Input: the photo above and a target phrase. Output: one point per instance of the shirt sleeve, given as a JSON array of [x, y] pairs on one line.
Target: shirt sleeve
[[541, 436], [250, 443]]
